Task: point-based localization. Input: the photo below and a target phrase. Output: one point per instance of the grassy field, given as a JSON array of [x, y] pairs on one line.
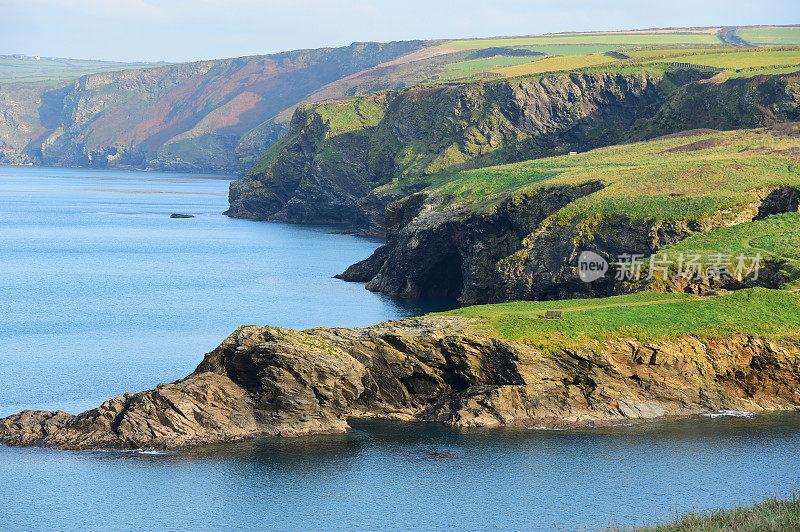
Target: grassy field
[[618, 38], [755, 59], [672, 51], [737, 62], [765, 71], [563, 57], [476, 66], [651, 60], [574, 49], [362, 112], [774, 515], [771, 35], [669, 179], [647, 316], [555, 64], [23, 69]]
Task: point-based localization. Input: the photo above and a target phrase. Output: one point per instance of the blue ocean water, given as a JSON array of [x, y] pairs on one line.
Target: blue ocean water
[[103, 293]]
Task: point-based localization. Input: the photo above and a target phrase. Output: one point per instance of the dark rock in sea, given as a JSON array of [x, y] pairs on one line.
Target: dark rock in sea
[[179, 215], [268, 381], [443, 454]]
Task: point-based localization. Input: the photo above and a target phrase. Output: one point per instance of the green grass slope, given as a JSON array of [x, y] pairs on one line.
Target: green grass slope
[[773, 515], [775, 238], [647, 316], [683, 178], [771, 34], [389, 143]]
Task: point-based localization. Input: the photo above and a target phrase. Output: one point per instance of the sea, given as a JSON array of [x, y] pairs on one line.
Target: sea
[[102, 293]]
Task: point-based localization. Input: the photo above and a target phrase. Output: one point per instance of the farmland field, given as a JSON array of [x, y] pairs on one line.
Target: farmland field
[[574, 49], [653, 61], [609, 38], [673, 51], [556, 64], [771, 35], [49, 69], [475, 66], [749, 59]]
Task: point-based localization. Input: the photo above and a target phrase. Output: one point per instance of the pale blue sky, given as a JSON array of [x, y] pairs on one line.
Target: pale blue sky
[[180, 30]]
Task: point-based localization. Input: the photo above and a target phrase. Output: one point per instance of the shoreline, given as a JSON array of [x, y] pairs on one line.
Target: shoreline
[[272, 381]]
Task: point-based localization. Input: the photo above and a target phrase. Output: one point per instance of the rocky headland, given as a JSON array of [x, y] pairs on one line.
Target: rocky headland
[[270, 381], [422, 166], [523, 242], [343, 162]]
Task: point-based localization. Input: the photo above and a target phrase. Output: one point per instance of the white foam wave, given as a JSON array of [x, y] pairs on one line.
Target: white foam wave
[[729, 413]]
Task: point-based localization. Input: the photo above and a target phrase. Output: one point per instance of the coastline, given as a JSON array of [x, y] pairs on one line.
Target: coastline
[[272, 381]]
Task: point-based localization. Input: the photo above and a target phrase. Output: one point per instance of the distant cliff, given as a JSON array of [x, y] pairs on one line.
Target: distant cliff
[[206, 116]]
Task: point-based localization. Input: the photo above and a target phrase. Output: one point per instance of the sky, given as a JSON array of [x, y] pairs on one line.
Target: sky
[[183, 30]]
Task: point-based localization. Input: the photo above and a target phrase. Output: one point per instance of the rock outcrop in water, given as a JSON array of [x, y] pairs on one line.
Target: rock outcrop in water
[[272, 381]]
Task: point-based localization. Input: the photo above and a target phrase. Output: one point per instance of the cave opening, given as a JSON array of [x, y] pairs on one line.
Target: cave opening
[[445, 277]]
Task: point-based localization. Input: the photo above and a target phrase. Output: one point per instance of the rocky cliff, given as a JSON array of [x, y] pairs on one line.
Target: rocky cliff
[[216, 115], [518, 252], [336, 156], [271, 381], [343, 162], [453, 253], [479, 240]]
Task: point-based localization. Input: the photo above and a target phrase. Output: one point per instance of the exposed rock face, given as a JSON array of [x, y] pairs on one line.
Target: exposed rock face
[[739, 103], [274, 381], [434, 252]]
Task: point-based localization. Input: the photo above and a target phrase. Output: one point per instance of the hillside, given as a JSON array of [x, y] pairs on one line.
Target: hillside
[[517, 231], [342, 162], [204, 116], [221, 115]]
